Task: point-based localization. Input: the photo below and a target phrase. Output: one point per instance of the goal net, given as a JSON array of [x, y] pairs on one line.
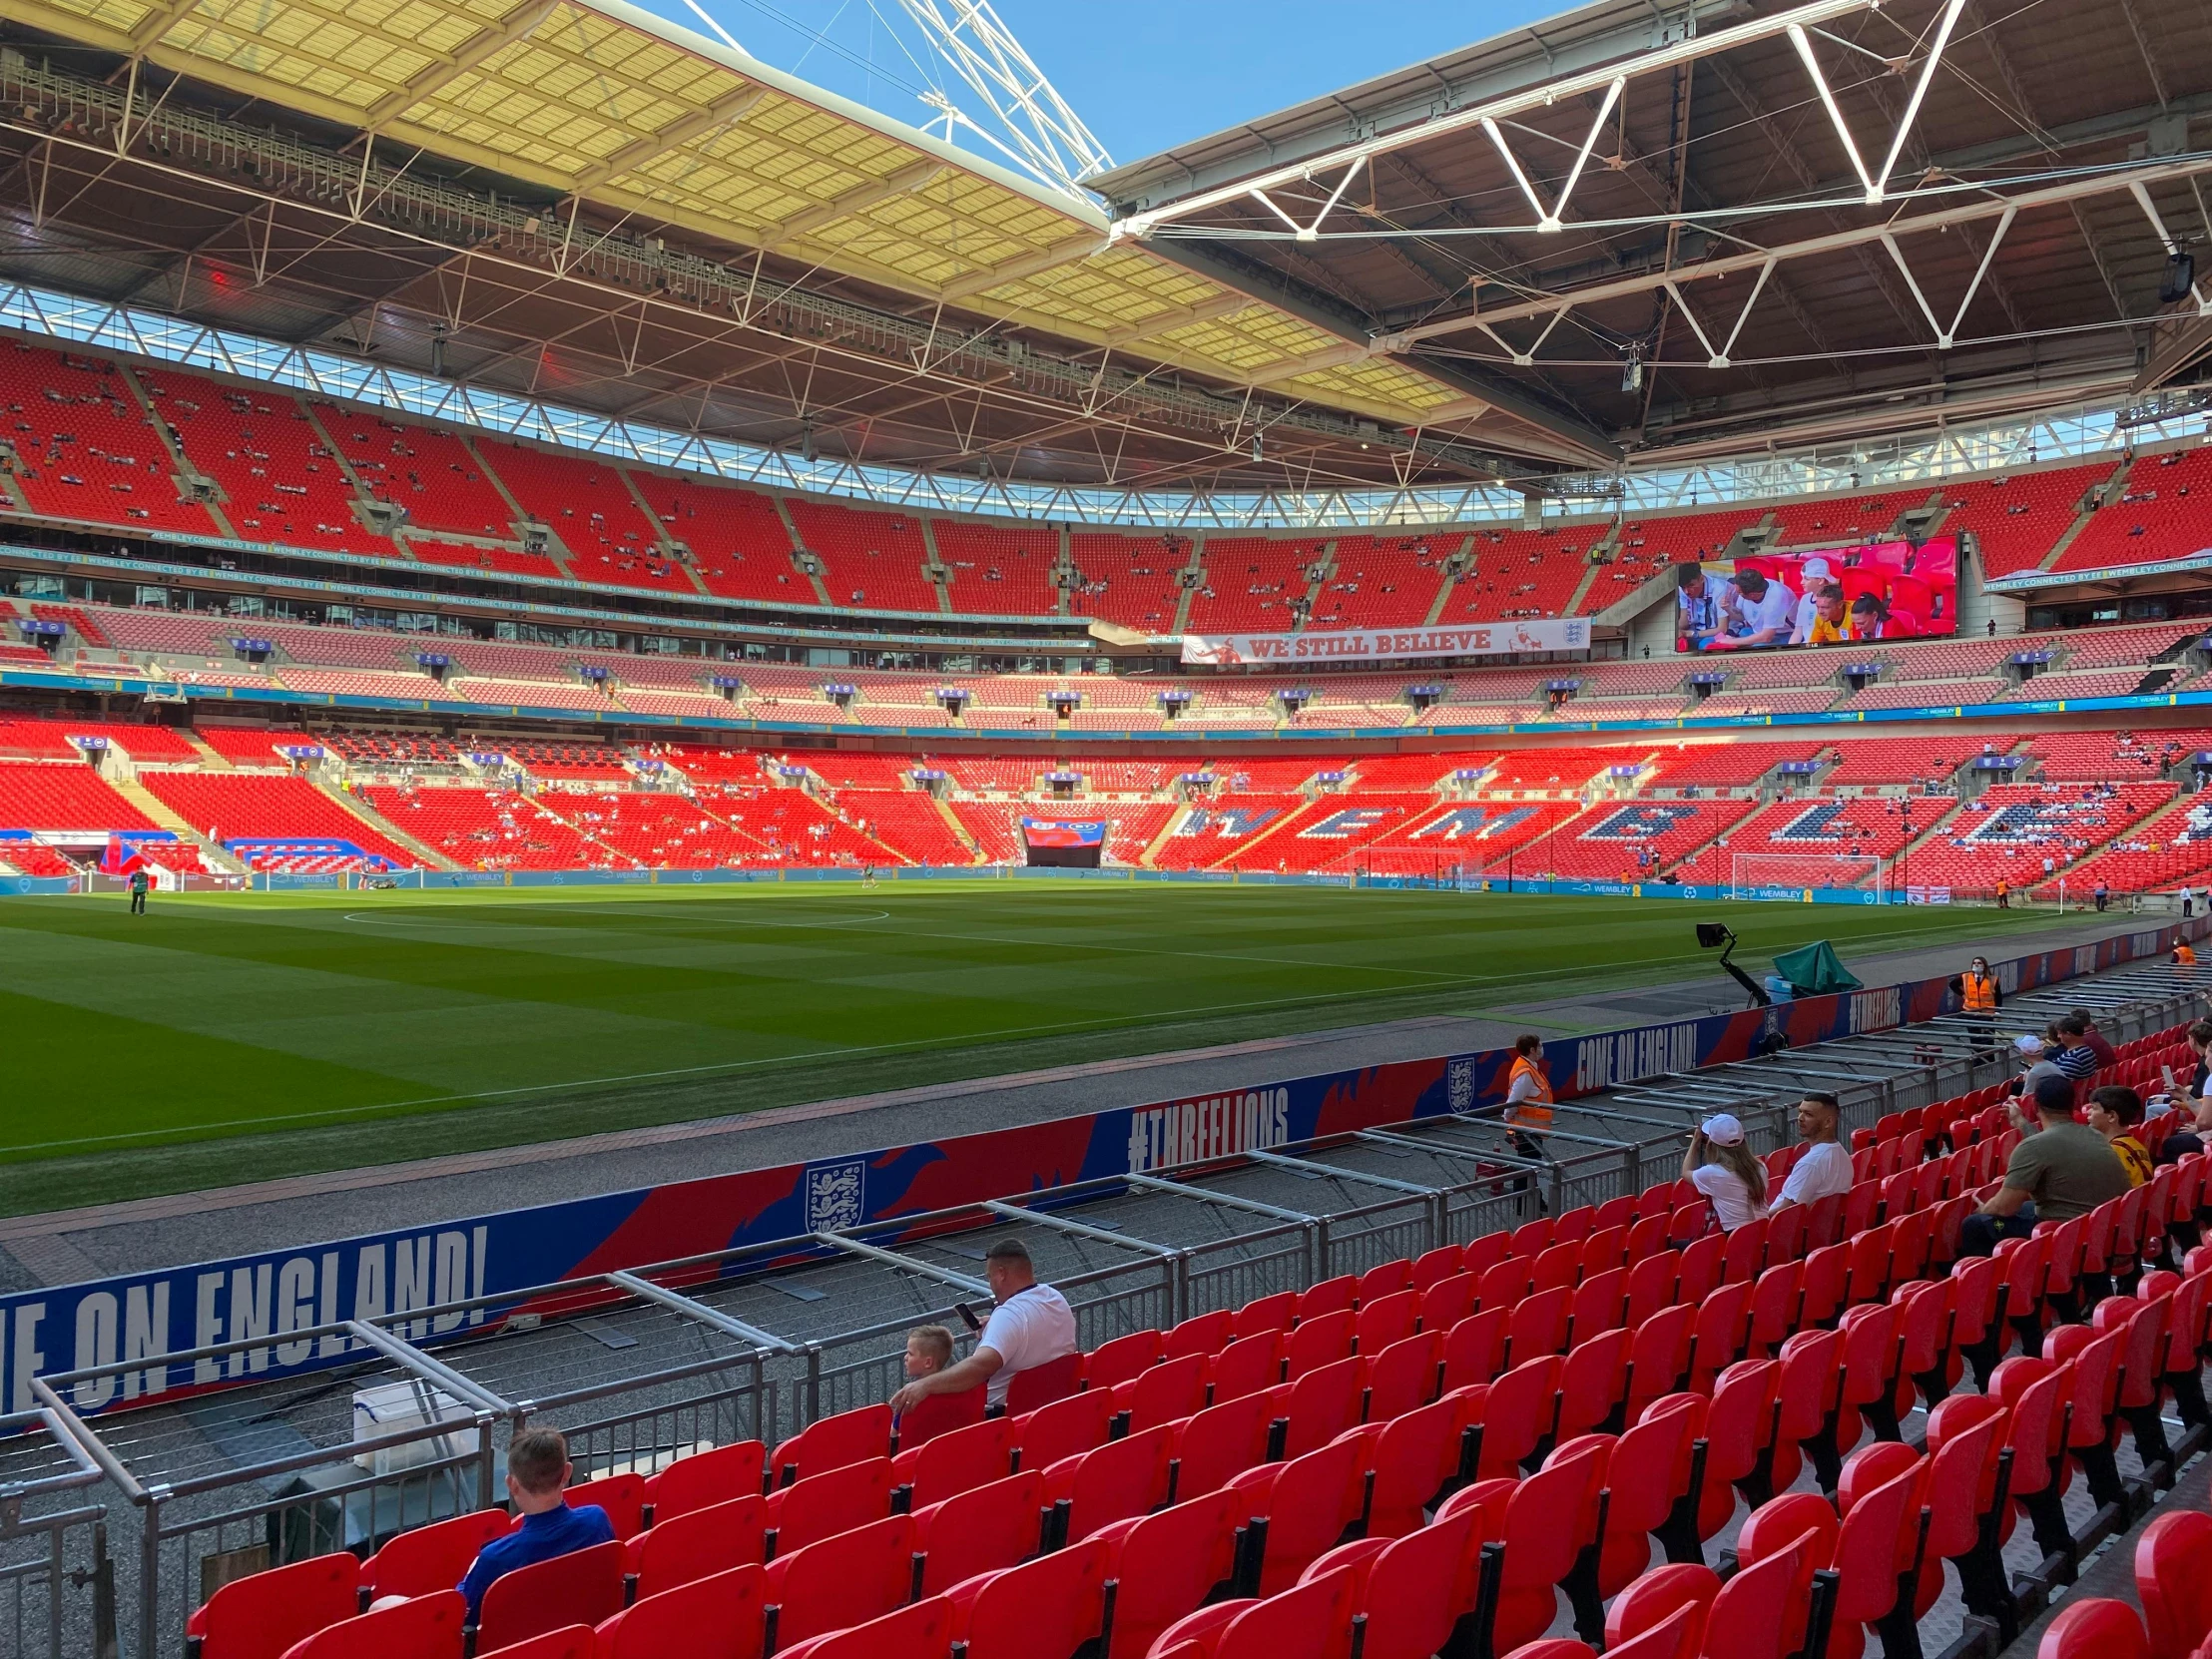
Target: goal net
[[1788, 875]]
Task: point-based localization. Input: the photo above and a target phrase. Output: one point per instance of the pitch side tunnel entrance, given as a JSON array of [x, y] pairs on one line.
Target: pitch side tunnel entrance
[[644, 1365]]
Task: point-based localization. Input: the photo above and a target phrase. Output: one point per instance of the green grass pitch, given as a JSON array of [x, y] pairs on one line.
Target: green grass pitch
[[229, 1037]]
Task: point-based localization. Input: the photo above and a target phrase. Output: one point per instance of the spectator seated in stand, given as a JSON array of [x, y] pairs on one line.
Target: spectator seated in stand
[[2065, 1169], [1031, 1326], [538, 1474]]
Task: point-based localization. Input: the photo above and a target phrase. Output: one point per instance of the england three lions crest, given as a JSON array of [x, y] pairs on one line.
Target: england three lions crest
[[837, 1195]]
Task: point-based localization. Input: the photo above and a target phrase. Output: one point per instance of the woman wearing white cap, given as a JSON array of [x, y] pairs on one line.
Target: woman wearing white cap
[[1733, 1182]]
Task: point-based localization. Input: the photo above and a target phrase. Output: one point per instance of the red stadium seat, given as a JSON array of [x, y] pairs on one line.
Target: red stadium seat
[[706, 1477], [431, 1557], [430, 1626], [697, 1544], [258, 1617], [848, 1438], [845, 1579], [716, 1617], [983, 1530], [581, 1588]]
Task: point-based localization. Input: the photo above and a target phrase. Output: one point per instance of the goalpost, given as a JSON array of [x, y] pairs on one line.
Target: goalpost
[[1785, 875]]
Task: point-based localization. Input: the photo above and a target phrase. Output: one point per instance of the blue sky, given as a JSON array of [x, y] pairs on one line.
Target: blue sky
[[1143, 74]]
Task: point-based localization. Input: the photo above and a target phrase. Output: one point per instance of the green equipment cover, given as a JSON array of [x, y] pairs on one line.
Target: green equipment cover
[[1815, 970]]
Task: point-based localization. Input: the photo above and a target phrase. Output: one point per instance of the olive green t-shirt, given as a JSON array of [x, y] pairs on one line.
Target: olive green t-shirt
[[2068, 1169]]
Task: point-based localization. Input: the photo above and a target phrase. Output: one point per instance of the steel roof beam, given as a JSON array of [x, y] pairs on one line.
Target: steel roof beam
[[1866, 236], [1510, 107]]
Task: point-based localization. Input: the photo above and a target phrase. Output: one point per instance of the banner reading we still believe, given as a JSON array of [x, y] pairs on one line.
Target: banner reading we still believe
[[1373, 645]]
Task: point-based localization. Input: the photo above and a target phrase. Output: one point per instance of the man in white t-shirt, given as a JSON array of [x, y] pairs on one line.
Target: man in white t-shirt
[[1031, 1326], [1824, 1168], [1761, 614]]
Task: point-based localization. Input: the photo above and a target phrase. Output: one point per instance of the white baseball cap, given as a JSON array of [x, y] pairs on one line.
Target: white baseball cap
[[1818, 568], [1722, 1129], [2028, 1044]]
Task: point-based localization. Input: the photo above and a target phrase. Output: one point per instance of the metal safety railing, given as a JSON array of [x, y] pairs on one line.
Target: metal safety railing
[[410, 1421]]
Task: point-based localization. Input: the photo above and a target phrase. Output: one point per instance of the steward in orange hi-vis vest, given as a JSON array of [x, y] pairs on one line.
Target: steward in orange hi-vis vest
[[1527, 1087]]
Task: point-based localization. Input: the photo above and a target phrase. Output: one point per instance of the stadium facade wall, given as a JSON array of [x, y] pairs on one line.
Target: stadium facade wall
[[521, 1254]]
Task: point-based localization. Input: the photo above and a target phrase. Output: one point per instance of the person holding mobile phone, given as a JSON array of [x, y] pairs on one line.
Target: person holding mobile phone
[[1030, 1325], [1721, 1166]]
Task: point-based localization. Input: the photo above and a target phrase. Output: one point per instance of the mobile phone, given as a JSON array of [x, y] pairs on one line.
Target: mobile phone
[[967, 1315]]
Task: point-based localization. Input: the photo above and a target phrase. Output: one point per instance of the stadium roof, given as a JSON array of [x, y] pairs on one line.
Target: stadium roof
[[591, 119], [1801, 221], [574, 199]]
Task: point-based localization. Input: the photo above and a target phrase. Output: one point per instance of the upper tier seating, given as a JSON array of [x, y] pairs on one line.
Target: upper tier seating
[[1521, 573], [1841, 521], [87, 448], [1381, 581], [278, 479], [999, 570], [2018, 518], [586, 504], [2161, 514], [1677, 538], [870, 559], [1129, 579], [428, 474], [739, 546], [1249, 583]]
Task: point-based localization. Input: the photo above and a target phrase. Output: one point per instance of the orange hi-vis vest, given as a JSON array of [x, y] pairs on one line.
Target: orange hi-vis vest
[[2185, 955], [1980, 990], [1534, 1112]]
